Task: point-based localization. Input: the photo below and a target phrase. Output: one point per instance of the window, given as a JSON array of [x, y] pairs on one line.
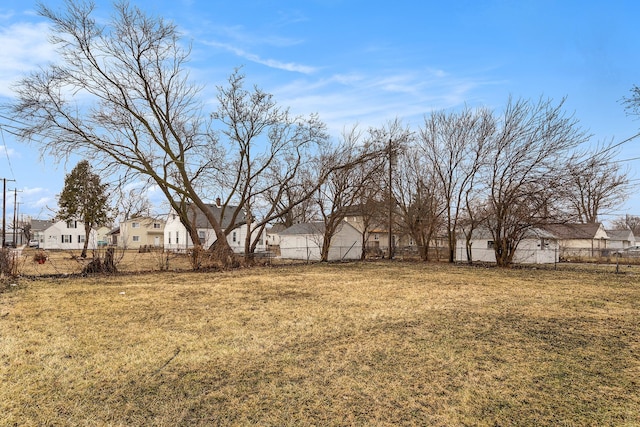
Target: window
[[177, 237], [234, 236], [136, 238], [169, 237], [156, 225], [72, 224], [376, 237], [135, 225], [490, 244], [67, 238], [201, 236], [80, 238]]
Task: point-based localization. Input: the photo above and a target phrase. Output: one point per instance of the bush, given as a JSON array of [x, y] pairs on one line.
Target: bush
[[8, 263]]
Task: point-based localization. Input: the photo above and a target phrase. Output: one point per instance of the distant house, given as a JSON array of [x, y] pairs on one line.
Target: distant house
[[589, 240], [113, 236], [68, 235], [140, 232], [176, 237], [366, 219], [37, 230], [103, 236], [620, 239], [272, 238], [537, 247], [304, 241]]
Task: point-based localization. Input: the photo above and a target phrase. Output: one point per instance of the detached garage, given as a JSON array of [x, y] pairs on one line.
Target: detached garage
[[304, 241]]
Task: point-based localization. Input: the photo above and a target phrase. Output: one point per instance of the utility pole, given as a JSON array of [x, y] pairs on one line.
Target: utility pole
[[390, 204], [4, 210], [15, 216]]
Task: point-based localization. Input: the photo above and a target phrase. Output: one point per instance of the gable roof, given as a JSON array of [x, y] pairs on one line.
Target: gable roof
[[201, 219], [276, 228], [483, 233], [574, 231], [620, 235], [40, 224], [316, 227]]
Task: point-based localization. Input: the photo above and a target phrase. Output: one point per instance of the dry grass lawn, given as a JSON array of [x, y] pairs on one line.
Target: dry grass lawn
[[340, 344]]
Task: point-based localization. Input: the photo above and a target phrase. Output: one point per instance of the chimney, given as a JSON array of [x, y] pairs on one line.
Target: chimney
[[218, 201]]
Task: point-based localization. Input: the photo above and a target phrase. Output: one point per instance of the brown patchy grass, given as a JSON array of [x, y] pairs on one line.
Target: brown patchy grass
[[353, 344]]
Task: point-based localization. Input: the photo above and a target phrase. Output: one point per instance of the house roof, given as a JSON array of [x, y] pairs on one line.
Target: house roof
[[620, 235], [531, 233], [201, 219], [276, 228], [574, 231], [316, 227], [39, 224]]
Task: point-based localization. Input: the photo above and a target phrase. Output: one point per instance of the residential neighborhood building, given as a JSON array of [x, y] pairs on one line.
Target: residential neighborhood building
[[140, 232], [537, 247], [176, 237], [620, 239], [580, 240], [103, 235], [37, 229], [68, 235], [304, 241]]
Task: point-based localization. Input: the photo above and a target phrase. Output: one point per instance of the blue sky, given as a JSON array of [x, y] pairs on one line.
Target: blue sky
[[368, 62]]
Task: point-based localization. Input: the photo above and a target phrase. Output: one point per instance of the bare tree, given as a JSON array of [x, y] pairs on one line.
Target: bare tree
[[121, 95], [628, 222], [370, 213], [595, 184], [132, 202], [456, 145], [354, 167], [420, 203], [391, 139], [290, 197], [530, 146], [269, 149]]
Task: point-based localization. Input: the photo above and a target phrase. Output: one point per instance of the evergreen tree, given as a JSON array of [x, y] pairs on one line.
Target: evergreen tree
[[84, 199]]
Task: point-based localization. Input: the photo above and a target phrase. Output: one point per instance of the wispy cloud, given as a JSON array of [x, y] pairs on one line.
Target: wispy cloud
[[272, 63], [240, 35], [345, 99], [24, 48], [8, 152], [26, 191]]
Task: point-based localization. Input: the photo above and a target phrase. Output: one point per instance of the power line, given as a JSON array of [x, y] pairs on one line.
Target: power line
[[6, 152]]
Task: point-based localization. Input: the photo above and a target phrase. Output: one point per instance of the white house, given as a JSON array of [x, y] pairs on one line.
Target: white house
[[37, 229], [68, 235], [620, 239], [176, 237], [537, 247], [580, 239], [304, 241]]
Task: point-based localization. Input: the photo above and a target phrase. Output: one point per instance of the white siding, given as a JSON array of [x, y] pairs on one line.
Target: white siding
[[59, 236], [174, 227], [529, 251], [346, 244]]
